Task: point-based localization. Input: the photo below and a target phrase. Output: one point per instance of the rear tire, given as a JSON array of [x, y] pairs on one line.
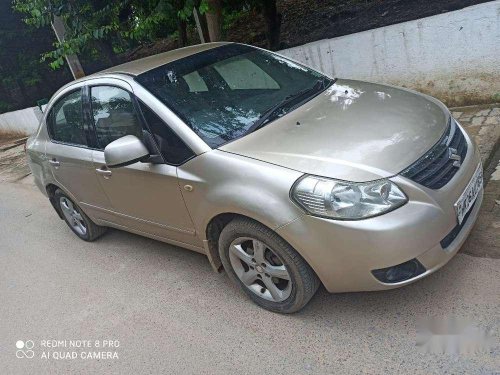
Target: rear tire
[[76, 219], [266, 267]]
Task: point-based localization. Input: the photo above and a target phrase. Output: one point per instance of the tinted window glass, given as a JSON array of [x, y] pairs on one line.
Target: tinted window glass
[[114, 114], [171, 146], [66, 120], [220, 93]]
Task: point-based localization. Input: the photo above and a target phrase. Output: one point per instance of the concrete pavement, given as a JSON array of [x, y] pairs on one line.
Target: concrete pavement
[[170, 313]]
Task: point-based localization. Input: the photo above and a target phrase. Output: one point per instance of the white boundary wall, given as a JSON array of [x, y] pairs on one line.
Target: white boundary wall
[[23, 121], [454, 56]]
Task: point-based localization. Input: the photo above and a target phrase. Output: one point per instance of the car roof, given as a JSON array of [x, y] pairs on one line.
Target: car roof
[[137, 67]]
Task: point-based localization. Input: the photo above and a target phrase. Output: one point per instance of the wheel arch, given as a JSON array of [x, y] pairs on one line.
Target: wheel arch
[[51, 191], [214, 229], [212, 233]]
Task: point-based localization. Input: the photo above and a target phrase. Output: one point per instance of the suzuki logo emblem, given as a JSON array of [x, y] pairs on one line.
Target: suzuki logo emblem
[[453, 155]]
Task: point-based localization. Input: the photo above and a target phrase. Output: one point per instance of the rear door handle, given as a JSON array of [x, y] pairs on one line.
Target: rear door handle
[[106, 173], [54, 162]]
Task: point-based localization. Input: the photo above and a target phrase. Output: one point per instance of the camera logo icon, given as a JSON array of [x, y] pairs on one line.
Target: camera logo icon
[[24, 349]]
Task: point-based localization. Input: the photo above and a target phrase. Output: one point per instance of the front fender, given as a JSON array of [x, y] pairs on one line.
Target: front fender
[[227, 183]]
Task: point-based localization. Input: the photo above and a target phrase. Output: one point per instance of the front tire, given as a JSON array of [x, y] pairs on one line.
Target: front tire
[[266, 267], [76, 219]]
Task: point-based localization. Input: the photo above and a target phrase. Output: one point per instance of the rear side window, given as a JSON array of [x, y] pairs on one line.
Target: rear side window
[[173, 149], [114, 115], [66, 120]]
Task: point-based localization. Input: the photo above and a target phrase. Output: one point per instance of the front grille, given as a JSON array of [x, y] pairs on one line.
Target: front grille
[[438, 166]]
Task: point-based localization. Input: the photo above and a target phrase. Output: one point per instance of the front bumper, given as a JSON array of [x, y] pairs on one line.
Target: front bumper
[[344, 253]]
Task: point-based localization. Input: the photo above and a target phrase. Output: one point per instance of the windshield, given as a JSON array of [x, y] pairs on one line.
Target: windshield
[[222, 92]]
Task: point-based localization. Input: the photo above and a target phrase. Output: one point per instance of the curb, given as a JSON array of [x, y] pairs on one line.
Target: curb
[[479, 106]]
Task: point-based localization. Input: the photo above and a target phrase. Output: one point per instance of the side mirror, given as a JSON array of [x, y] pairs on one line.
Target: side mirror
[[125, 151]]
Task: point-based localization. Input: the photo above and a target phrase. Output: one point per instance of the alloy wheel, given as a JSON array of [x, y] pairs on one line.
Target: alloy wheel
[[260, 269], [73, 217]]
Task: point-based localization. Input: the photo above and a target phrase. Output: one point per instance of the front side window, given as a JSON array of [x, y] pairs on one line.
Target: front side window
[[66, 123], [173, 149], [114, 114], [222, 92]]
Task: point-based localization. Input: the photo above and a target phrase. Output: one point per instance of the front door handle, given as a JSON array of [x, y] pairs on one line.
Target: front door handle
[[54, 162], [106, 173]]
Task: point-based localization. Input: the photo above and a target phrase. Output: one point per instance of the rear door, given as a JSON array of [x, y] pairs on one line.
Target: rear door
[[69, 154], [145, 197]]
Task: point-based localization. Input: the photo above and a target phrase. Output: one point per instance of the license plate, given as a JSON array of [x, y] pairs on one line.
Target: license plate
[[468, 197]]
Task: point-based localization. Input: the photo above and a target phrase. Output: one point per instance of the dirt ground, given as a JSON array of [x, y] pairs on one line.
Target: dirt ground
[[8, 138], [13, 166]]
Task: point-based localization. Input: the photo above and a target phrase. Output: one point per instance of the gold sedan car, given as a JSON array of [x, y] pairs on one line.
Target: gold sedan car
[[284, 177]]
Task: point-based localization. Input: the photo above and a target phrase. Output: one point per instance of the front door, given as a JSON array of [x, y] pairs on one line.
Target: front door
[[145, 197]]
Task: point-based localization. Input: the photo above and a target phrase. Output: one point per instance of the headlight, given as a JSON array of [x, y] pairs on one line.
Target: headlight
[[346, 200]]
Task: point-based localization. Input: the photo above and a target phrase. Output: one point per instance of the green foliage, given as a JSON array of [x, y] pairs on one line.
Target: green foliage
[[113, 26], [86, 21], [23, 79], [118, 23], [230, 16], [186, 10], [74, 45], [151, 20]]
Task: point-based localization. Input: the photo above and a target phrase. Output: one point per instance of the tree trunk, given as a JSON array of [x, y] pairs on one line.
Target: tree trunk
[[204, 27], [273, 21], [214, 20], [182, 28]]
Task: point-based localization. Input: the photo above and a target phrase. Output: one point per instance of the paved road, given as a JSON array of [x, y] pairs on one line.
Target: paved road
[[172, 314]]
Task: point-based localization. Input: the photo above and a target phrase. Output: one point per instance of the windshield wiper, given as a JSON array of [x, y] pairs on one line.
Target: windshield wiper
[[320, 85]]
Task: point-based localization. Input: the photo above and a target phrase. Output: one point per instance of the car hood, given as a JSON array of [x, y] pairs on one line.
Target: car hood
[[354, 131]]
